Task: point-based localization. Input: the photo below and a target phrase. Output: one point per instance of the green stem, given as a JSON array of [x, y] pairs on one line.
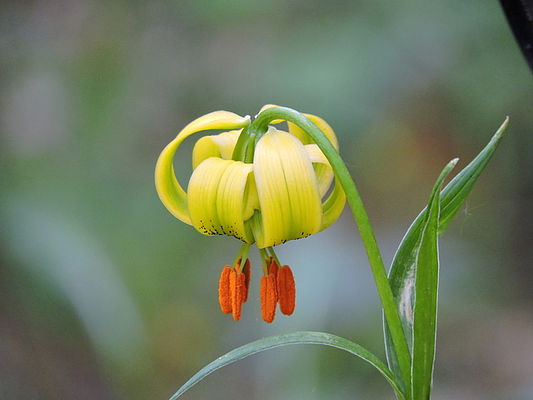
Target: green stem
[[264, 258], [361, 218], [245, 146], [263, 253], [240, 146], [241, 257]]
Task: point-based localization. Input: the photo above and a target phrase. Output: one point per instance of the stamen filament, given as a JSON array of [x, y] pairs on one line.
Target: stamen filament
[[266, 263], [241, 257], [273, 254]]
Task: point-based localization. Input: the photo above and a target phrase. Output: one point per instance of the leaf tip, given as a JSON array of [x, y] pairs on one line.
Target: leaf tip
[[447, 169], [503, 127], [453, 162]]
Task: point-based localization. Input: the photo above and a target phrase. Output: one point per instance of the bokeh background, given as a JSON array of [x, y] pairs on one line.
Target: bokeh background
[[104, 295]]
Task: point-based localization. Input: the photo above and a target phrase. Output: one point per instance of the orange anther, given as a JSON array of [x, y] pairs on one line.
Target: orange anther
[[237, 289], [269, 298], [247, 271], [224, 295], [286, 290], [273, 268]]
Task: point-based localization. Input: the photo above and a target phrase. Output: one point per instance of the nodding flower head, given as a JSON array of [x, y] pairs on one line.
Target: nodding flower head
[[263, 187]]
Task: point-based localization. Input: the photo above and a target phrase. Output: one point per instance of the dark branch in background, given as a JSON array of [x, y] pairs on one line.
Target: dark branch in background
[[520, 16]]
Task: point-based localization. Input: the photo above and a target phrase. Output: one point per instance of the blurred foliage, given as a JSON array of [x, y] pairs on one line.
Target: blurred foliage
[[104, 295]]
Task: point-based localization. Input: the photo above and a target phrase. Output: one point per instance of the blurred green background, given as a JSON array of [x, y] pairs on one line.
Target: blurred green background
[[104, 295]]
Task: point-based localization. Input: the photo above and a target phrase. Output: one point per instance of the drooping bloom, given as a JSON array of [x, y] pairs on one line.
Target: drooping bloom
[[283, 194]]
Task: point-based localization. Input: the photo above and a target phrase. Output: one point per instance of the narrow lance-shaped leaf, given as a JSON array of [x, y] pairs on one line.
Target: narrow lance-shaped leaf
[[426, 292], [402, 272], [320, 338]]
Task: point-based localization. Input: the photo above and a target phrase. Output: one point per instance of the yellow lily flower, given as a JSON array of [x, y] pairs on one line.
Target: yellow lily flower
[[280, 196]]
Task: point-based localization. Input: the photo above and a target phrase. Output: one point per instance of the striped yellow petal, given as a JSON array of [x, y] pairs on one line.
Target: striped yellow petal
[[321, 124], [333, 206], [220, 145], [303, 136], [287, 188], [323, 170], [219, 198], [168, 188]]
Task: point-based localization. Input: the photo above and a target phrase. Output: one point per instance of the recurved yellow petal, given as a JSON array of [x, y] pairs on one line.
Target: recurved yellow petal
[[168, 188], [303, 136], [321, 124], [333, 206], [323, 170], [287, 188], [219, 198], [220, 145]]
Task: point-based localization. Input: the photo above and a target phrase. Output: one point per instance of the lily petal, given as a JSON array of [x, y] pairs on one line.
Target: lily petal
[[321, 124], [333, 206], [302, 135], [218, 197], [323, 170], [287, 188], [168, 188], [220, 145]]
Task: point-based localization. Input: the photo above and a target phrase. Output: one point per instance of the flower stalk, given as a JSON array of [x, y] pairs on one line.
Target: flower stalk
[[361, 218]]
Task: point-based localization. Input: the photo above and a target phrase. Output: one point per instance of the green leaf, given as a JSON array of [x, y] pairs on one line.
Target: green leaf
[[320, 338], [426, 292], [402, 272]]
